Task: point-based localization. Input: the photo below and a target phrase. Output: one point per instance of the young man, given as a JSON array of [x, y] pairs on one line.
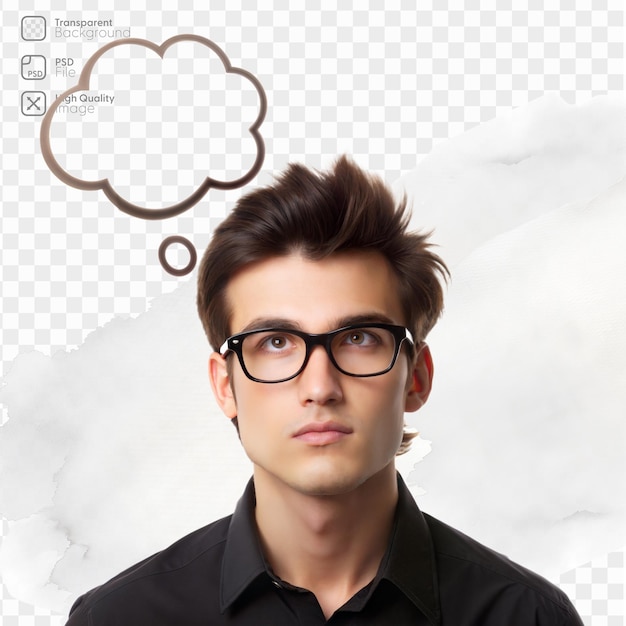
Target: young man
[[317, 302]]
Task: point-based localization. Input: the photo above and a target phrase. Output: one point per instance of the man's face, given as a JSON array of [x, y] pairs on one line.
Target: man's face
[[362, 418]]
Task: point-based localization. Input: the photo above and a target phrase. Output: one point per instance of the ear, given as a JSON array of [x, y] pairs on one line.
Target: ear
[[221, 386], [421, 380]]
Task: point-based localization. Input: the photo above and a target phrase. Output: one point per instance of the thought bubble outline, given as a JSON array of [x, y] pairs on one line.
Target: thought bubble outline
[[121, 203]]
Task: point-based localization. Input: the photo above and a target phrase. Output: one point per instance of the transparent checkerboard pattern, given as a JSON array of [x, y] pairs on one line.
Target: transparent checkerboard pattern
[[383, 84], [599, 589]]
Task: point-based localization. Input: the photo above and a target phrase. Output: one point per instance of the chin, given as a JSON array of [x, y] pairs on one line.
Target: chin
[[331, 481], [326, 490]]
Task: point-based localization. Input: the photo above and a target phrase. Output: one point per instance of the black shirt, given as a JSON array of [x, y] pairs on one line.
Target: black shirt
[[431, 574]]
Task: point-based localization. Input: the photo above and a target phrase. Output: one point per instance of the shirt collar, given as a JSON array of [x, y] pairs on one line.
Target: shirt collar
[[409, 562], [243, 560]]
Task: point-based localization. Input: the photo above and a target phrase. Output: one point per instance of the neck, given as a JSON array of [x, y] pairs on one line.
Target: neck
[[331, 545]]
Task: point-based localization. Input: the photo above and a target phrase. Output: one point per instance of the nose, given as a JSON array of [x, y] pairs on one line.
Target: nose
[[320, 381]]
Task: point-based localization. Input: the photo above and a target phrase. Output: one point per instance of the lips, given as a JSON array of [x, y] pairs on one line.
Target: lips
[[322, 433]]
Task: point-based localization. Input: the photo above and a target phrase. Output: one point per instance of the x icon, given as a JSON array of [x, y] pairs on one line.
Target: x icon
[[33, 103]]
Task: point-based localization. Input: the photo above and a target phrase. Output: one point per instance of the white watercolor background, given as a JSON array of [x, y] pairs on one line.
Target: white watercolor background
[[116, 448]]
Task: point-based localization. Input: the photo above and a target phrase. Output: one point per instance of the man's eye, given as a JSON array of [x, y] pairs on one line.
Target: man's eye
[[275, 343], [360, 338], [278, 342]]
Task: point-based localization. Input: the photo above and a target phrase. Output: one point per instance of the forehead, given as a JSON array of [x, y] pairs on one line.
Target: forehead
[[314, 294]]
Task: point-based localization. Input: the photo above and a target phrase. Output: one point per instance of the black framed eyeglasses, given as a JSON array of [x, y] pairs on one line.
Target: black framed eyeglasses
[[275, 355]]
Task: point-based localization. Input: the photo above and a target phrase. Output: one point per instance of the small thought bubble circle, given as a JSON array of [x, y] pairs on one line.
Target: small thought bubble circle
[[193, 256]]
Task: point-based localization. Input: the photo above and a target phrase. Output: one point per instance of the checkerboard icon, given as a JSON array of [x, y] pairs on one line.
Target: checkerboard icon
[[33, 28]]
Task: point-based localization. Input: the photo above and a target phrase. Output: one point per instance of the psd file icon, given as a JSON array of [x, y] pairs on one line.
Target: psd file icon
[[33, 67], [33, 28]]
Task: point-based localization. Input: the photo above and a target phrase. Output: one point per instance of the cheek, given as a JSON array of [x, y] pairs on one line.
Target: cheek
[[386, 402], [396, 387], [258, 409]]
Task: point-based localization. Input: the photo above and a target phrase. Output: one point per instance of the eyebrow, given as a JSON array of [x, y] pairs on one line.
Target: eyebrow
[[260, 323]]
